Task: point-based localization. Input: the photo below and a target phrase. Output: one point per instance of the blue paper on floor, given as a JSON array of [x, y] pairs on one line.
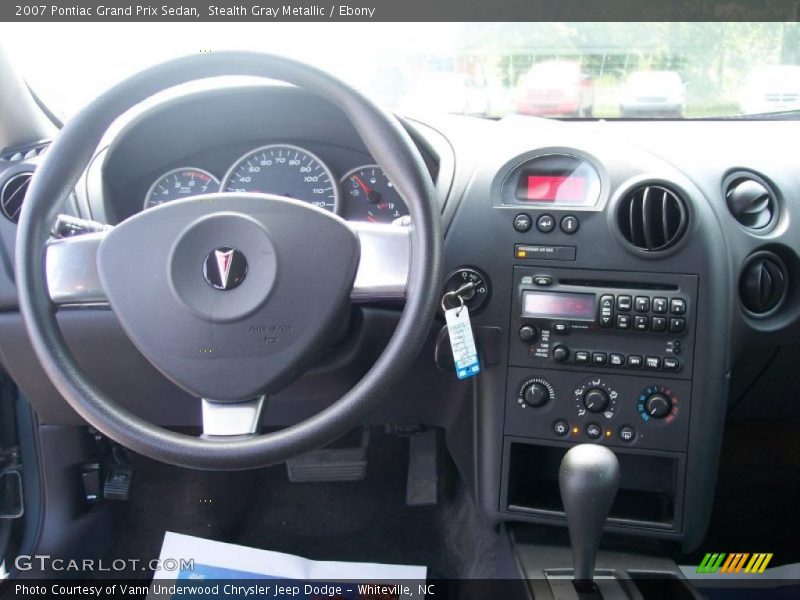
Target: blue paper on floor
[[192, 567]]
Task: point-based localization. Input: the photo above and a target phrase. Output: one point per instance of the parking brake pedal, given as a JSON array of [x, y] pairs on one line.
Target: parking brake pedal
[[330, 464], [422, 488]]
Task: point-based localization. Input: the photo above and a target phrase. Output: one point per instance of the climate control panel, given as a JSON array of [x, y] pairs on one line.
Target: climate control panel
[[615, 409]]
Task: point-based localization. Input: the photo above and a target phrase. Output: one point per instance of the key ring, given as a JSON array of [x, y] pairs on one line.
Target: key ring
[[458, 294]]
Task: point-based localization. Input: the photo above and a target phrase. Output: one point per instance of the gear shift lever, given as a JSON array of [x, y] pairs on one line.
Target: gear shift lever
[[588, 479]]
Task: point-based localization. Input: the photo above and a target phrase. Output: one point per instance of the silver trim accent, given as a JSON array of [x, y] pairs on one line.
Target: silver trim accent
[[385, 261], [232, 418], [71, 267], [383, 270]]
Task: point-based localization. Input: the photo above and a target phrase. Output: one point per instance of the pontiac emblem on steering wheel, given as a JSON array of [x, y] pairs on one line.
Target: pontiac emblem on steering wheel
[[225, 268]]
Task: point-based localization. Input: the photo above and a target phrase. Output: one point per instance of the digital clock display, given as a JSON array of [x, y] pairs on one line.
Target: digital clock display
[[552, 305], [552, 188], [555, 180]]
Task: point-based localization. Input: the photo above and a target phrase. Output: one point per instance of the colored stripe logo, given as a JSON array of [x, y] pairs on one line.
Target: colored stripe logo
[[735, 562]]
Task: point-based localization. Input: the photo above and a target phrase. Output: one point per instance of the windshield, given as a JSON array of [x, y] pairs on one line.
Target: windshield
[[565, 70]]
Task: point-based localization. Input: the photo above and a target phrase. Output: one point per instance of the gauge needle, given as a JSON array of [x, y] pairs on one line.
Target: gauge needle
[[372, 195]]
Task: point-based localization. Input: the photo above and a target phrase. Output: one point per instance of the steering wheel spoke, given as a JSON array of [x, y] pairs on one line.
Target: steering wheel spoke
[[73, 277], [71, 267], [225, 419], [385, 261]]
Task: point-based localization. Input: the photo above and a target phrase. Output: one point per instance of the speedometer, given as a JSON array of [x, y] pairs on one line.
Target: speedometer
[[284, 170]]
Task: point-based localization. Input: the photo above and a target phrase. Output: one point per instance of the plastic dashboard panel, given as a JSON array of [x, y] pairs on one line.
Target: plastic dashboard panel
[[473, 157]]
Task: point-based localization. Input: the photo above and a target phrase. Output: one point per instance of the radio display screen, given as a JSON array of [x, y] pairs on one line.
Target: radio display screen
[[558, 305]]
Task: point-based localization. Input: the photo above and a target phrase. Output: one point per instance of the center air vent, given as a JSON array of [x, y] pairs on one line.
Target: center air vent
[[762, 285], [652, 217], [750, 201], [13, 194]]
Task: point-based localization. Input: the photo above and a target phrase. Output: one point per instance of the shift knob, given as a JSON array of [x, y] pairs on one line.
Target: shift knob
[[588, 479]]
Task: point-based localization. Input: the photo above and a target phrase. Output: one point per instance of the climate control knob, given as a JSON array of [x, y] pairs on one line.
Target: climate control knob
[[595, 400], [658, 406], [594, 396], [535, 393]]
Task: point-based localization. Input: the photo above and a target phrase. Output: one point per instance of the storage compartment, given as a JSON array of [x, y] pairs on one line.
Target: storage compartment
[[647, 493]]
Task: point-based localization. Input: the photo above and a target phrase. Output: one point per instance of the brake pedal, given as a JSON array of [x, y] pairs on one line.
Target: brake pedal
[[330, 464], [422, 488]]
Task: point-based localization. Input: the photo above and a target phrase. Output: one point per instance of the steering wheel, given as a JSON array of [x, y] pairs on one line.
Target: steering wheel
[[230, 296]]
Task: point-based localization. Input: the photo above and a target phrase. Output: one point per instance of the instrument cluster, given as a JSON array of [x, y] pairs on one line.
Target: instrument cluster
[[363, 193]]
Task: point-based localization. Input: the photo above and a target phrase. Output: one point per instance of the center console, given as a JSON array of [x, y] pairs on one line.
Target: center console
[[610, 308], [603, 357]]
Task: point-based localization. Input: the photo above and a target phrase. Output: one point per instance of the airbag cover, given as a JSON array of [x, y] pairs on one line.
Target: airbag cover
[[254, 337]]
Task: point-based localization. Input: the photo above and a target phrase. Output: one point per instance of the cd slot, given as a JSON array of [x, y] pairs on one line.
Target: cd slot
[[629, 285]]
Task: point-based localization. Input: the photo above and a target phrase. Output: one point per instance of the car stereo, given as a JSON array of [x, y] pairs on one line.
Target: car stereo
[[631, 322]]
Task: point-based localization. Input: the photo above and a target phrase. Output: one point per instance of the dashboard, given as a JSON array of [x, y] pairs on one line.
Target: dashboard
[[625, 275]]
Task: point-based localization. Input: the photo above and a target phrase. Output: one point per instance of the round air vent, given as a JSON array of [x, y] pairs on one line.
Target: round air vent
[[13, 194], [652, 217], [750, 201], [763, 283]]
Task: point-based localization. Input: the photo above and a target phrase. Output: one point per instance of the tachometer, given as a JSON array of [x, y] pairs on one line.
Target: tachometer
[[284, 170], [180, 183], [370, 196]]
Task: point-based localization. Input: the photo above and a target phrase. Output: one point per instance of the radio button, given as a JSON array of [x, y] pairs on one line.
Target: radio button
[[606, 316], [545, 223], [641, 323], [616, 360], [659, 324], [623, 321], [528, 333], [634, 361], [659, 305], [599, 358], [560, 353], [582, 357], [677, 306], [642, 304], [561, 327], [677, 325], [624, 303], [652, 362]]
